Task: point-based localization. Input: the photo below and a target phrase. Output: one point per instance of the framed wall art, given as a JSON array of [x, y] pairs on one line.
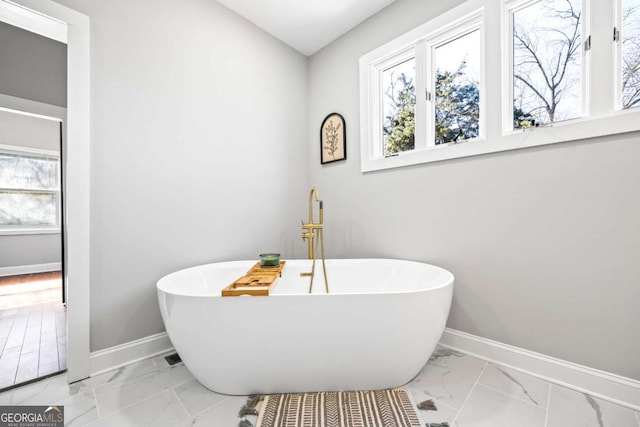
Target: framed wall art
[[333, 139]]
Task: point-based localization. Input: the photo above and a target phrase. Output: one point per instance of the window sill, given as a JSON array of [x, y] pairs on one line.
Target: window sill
[[28, 231], [573, 130]]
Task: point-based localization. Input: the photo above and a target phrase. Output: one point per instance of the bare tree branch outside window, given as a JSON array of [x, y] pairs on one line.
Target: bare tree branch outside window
[[630, 53], [547, 62]]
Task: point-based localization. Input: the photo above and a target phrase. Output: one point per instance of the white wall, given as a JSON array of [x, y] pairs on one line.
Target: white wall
[[544, 242], [198, 154]]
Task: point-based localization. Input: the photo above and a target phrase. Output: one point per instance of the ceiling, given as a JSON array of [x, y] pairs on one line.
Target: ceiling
[[306, 25]]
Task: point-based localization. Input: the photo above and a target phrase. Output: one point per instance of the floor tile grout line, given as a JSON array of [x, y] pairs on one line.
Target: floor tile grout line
[[470, 393], [95, 400], [110, 383], [181, 403], [138, 401], [528, 402], [182, 383], [133, 404], [212, 406], [546, 417]]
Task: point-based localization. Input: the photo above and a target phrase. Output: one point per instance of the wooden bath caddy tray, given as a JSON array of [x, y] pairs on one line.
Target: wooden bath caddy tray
[[258, 281]]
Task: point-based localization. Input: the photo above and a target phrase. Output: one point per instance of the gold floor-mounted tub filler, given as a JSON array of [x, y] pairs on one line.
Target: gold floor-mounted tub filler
[[314, 232]]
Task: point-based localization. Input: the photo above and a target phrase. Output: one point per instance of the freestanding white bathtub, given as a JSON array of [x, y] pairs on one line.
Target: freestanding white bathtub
[[375, 329]]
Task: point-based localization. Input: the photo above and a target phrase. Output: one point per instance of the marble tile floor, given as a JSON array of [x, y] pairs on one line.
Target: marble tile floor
[[468, 392]]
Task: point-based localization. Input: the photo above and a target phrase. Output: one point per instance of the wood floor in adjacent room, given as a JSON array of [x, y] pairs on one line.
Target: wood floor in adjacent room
[[33, 327]]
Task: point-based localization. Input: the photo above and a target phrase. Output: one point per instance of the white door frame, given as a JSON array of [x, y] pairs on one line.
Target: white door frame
[[46, 18]]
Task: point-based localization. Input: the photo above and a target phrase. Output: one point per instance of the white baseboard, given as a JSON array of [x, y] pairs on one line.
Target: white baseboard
[[29, 269], [604, 385], [114, 357]]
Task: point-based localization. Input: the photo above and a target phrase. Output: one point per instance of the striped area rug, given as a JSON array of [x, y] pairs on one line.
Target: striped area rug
[[380, 408]]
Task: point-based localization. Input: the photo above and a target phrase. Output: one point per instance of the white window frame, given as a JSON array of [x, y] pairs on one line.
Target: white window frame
[[419, 43], [460, 28], [617, 61], [601, 107], [618, 55], [509, 8], [377, 96], [34, 229]]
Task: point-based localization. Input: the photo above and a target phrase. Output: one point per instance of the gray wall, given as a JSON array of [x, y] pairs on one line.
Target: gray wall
[[198, 153], [30, 250], [25, 131], [32, 67], [544, 242]]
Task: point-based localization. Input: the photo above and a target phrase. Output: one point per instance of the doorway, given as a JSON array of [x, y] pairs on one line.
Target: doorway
[[52, 20], [33, 317]]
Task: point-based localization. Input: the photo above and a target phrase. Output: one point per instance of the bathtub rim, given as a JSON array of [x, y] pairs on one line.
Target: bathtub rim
[[163, 283]]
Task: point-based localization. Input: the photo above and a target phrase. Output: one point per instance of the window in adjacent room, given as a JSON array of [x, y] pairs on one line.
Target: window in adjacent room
[[29, 192]]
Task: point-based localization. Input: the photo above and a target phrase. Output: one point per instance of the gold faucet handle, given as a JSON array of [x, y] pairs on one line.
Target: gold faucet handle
[[312, 226]]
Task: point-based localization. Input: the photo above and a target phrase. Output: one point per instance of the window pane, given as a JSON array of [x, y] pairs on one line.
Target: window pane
[[27, 208], [547, 63], [457, 96], [399, 106], [630, 53], [28, 173]]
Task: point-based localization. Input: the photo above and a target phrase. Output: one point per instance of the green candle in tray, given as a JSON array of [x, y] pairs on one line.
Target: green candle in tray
[[269, 260]]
